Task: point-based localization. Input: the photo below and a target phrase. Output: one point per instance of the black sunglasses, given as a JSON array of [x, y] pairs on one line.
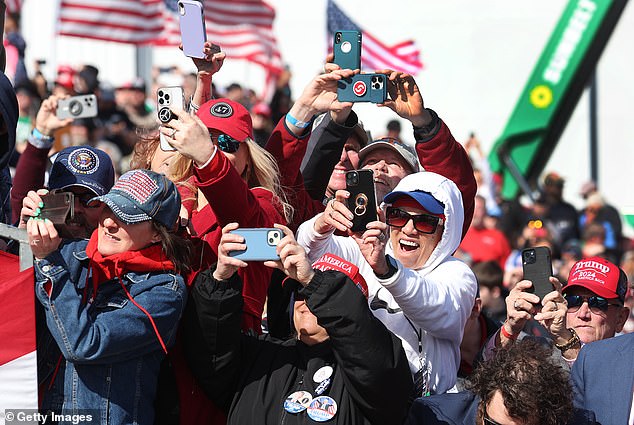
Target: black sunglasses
[[595, 302], [424, 223], [227, 143]]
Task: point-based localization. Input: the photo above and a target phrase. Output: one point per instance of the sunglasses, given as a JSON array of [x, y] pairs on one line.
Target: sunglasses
[[84, 198], [424, 223], [227, 144], [596, 303]]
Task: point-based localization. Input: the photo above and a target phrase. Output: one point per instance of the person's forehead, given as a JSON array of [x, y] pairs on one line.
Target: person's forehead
[[354, 142]]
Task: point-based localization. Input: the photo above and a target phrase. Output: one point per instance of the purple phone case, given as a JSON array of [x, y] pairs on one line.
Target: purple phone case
[[192, 25]]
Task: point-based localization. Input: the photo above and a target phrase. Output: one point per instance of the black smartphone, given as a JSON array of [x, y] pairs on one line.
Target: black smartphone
[[363, 88], [362, 200], [347, 49], [538, 268]]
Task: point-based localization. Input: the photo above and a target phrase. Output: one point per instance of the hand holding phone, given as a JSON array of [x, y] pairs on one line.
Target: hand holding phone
[[538, 268], [261, 244], [362, 200], [192, 26]]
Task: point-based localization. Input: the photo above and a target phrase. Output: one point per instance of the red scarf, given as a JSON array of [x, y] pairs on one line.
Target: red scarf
[[148, 259]]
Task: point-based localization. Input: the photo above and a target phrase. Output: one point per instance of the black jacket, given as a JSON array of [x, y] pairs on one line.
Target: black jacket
[[250, 377]]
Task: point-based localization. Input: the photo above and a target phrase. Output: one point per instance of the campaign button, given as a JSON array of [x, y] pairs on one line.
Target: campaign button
[[298, 401], [323, 386], [323, 373], [322, 409]]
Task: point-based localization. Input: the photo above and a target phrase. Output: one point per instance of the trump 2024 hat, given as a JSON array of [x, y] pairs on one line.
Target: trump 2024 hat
[[82, 166], [599, 276], [228, 117], [143, 195]]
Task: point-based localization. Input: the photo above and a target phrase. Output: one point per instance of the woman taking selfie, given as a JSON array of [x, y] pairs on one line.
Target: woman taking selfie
[[113, 302]]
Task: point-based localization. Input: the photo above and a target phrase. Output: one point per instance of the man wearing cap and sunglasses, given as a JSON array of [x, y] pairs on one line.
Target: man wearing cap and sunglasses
[[589, 308], [418, 290]]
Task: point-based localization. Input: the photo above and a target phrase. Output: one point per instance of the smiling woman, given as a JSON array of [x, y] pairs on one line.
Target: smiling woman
[[122, 296]]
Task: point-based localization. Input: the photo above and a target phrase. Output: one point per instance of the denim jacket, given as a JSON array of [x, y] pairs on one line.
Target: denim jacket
[[111, 350]]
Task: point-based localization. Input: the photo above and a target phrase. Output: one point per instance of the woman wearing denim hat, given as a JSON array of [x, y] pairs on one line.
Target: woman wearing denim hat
[[113, 302]]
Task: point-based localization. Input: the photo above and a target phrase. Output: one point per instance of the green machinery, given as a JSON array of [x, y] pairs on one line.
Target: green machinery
[[552, 92]]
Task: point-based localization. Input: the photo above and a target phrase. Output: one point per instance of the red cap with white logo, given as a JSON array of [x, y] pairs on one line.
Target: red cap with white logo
[[330, 261], [599, 276]]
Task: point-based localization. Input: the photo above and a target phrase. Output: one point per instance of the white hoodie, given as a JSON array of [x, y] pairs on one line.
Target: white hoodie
[[433, 301]]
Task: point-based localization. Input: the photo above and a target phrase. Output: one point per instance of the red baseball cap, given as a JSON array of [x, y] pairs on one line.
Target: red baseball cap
[[228, 117], [330, 261], [599, 276]]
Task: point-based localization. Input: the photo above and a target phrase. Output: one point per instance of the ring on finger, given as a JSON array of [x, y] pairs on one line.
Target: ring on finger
[[381, 236], [35, 242], [332, 203], [515, 306]]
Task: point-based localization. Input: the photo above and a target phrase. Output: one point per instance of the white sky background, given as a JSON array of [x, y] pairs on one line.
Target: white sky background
[[477, 57]]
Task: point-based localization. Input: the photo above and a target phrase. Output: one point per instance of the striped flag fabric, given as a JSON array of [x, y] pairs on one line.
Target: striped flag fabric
[[242, 28], [18, 363], [404, 56]]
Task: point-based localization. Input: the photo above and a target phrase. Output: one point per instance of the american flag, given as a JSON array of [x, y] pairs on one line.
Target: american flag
[[403, 56], [242, 28]]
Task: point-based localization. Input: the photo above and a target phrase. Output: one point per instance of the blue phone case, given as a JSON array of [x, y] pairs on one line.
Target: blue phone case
[[346, 46], [261, 244], [363, 88], [192, 26]]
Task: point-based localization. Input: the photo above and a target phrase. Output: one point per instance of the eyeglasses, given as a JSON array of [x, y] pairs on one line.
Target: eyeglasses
[[424, 223], [596, 303], [488, 420], [84, 198], [227, 144]]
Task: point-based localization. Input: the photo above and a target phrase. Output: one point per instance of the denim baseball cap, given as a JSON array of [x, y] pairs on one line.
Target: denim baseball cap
[[82, 166], [143, 195]]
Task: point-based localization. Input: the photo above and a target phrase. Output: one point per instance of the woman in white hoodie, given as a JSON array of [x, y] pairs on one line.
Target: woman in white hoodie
[[416, 288]]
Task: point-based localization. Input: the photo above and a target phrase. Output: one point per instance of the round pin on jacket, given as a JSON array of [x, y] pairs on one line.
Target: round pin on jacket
[[323, 386], [322, 374], [297, 401], [322, 409]]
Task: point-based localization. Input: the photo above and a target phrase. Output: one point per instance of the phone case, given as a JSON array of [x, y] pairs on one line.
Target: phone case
[[362, 200], [347, 49], [192, 26], [168, 98], [83, 106], [538, 268], [363, 88], [58, 206], [261, 244]]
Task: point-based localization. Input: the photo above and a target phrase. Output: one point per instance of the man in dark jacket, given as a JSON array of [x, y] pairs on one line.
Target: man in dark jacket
[[344, 366]]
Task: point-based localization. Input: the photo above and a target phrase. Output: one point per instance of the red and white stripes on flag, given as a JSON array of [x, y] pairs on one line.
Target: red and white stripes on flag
[[123, 21], [18, 363], [242, 28]]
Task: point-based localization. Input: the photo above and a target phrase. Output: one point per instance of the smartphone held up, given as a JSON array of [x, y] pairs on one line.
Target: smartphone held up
[[538, 268], [82, 106], [192, 27], [261, 244], [168, 99]]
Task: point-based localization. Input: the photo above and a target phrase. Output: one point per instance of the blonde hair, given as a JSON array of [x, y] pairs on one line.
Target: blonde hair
[[262, 171]]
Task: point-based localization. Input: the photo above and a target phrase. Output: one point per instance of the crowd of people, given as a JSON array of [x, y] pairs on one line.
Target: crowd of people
[[145, 315]]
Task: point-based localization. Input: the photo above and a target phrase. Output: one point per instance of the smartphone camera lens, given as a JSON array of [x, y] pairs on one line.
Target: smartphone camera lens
[[529, 257], [352, 179], [75, 108], [338, 38], [271, 240], [181, 8]]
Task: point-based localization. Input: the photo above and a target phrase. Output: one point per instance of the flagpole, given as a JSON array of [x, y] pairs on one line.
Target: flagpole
[[143, 60]]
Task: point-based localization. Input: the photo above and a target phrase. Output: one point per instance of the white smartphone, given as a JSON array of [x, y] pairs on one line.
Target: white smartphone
[[192, 25], [168, 98]]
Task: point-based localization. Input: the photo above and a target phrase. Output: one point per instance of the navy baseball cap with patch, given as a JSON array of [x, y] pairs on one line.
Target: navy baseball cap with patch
[[143, 195], [82, 166], [228, 117]]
